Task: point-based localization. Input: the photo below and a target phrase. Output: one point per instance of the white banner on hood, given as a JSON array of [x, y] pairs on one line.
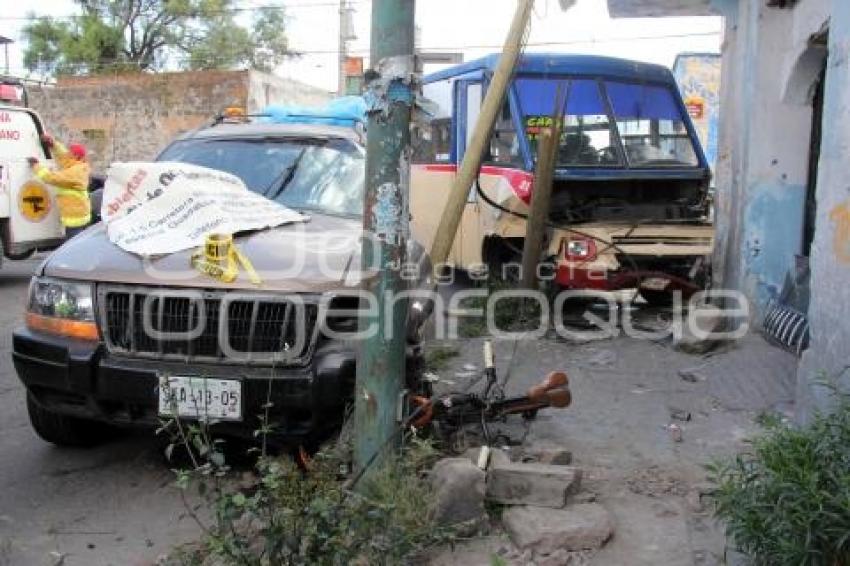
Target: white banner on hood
[[165, 207]]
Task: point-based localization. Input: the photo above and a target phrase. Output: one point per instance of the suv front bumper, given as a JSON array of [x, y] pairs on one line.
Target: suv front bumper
[[81, 379]]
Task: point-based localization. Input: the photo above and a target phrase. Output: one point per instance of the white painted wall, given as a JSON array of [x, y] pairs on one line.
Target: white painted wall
[[828, 358], [764, 143]]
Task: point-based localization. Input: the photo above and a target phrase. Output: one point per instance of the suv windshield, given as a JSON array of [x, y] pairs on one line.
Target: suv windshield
[[607, 122], [322, 175]]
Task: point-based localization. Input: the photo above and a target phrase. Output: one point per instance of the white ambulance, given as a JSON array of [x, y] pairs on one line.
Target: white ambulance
[[29, 217]]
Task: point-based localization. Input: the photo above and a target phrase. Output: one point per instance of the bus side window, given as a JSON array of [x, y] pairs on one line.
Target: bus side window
[[504, 145]]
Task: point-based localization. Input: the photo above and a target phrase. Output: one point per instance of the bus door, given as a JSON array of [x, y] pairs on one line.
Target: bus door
[[469, 93]]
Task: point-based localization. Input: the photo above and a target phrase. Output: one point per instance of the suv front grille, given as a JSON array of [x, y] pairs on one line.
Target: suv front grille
[[223, 327]]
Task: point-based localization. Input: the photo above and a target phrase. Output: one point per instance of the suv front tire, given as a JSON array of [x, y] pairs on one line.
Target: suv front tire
[[63, 430]]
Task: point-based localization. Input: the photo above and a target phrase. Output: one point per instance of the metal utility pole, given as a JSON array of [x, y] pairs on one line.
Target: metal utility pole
[[346, 34], [381, 360], [5, 41], [343, 50], [468, 169]]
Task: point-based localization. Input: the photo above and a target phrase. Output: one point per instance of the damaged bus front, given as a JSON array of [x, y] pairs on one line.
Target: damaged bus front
[[630, 204]]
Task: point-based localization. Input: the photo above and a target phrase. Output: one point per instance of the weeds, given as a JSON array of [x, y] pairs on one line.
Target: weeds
[[510, 314], [437, 358], [288, 515], [787, 500]]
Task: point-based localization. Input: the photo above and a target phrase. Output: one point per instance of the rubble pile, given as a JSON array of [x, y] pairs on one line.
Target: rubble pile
[[543, 511]]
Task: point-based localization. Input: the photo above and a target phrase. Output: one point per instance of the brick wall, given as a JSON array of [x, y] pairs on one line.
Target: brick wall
[[133, 116]]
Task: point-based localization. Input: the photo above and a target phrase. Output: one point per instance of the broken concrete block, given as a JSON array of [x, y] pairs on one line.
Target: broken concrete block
[[459, 491], [550, 456], [698, 330], [578, 527], [532, 484]]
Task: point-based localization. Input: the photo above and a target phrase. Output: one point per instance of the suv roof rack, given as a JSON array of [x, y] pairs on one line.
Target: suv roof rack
[[224, 117]]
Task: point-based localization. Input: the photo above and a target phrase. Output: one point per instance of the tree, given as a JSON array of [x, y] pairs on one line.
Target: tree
[[123, 35]]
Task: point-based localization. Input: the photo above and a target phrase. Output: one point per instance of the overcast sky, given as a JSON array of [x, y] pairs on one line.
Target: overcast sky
[[474, 27]]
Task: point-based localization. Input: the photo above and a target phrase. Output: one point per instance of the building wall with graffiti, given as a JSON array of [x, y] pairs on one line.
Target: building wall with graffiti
[[698, 77]]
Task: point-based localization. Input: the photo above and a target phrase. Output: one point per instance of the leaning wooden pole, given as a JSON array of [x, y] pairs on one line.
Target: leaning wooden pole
[[468, 171], [535, 226], [541, 194]]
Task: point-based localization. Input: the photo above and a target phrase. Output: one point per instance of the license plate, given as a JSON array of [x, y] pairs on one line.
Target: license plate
[[200, 398], [655, 283]]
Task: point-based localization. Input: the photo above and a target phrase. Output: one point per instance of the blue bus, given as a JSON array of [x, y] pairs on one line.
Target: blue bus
[[630, 204]]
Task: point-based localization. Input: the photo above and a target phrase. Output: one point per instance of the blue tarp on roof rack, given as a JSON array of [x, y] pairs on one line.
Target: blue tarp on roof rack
[[342, 111]]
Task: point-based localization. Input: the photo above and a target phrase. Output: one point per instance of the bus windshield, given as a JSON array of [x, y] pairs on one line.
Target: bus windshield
[[607, 123]]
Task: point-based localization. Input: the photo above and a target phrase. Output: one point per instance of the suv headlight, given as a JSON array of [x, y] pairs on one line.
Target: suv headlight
[[61, 307]]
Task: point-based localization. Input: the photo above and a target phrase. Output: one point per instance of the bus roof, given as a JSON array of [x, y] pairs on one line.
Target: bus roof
[[564, 64]]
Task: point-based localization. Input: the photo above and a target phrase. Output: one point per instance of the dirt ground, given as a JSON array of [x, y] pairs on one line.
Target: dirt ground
[[624, 392]]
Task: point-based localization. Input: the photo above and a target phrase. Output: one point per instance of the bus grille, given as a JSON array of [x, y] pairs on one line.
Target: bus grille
[[643, 240]]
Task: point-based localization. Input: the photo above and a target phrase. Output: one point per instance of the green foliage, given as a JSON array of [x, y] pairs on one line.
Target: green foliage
[[291, 516], [510, 313], [124, 35], [787, 500], [437, 357]]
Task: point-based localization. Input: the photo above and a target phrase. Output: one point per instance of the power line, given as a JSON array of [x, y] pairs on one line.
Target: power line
[[234, 9], [365, 51]]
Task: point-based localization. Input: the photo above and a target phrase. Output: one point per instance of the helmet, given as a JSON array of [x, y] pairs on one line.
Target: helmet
[[78, 150]]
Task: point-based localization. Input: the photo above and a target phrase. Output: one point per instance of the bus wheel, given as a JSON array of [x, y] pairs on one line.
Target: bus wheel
[[17, 257]]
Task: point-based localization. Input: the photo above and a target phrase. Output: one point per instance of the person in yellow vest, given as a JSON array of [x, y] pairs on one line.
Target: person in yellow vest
[[71, 180]]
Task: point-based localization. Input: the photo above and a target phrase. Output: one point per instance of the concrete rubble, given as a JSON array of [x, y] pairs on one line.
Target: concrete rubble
[[545, 515], [459, 491], [541, 485], [578, 527]]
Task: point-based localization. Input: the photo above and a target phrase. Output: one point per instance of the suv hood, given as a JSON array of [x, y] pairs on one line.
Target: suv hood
[[320, 255]]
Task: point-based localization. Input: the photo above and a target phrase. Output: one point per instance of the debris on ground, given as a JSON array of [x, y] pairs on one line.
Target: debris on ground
[[550, 522], [655, 482], [691, 375], [578, 527], [675, 432], [532, 484], [459, 492], [709, 321], [680, 414]]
